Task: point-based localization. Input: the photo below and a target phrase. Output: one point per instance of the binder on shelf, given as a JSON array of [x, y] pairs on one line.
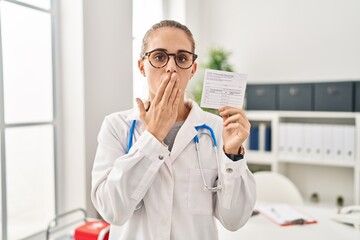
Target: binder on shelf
[[284, 215], [282, 140], [338, 142], [328, 142], [262, 127], [308, 145], [295, 141], [316, 141], [268, 139], [349, 143], [254, 138]]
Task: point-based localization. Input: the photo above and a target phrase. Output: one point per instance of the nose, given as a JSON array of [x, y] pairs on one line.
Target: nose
[[171, 65]]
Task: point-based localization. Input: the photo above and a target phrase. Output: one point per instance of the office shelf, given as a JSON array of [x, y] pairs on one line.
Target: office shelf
[[329, 178], [320, 163], [264, 157]]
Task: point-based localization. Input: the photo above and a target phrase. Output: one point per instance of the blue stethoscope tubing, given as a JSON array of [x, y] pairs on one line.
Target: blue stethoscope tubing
[[196, 141], [131, 135]]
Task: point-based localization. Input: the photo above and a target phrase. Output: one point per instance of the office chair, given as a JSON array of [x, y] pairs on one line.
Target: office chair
[[273, 187]]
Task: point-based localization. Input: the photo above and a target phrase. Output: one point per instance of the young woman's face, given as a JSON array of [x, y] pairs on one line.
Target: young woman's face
[[171, 40]]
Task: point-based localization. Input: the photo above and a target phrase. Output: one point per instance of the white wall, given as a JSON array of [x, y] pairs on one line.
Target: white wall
[[175, 10], [70, 106], [96, 80], [107, 68], [282, 40]]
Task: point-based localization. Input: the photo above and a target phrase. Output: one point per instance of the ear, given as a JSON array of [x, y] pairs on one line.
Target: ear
[[193, 69], [141, 67]]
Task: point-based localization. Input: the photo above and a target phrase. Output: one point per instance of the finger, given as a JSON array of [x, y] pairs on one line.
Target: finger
[[174, 92], [233, 118], [244, 120], [141, 108], [237, 118], [239, 128], [240, 131], [177, 100], [147, 105], [237, 125], [234, 125], [169, 88], [229, 111], [222, 109], [223, 114], [160, 92], [242, 112]]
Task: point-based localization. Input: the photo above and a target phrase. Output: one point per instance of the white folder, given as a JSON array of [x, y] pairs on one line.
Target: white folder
[[262, 127], [316, 142], [295, 141], [338, 142], [349, 143], [309, 153], [328, 142], [282, 140]]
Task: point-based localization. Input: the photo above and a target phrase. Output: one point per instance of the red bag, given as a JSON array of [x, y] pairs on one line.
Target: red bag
[[93, 230]]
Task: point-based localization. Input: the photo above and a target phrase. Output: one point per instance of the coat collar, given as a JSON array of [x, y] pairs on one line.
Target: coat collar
[[134, 115], [186, 133]]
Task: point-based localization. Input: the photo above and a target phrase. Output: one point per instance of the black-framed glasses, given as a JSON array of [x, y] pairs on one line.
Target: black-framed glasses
[[159, 58]]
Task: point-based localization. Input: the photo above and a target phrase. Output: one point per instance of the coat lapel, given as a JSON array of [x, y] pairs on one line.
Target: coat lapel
[[187, 132]]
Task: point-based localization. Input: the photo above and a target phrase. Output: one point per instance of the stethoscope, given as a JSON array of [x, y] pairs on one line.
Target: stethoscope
[[196, 141]]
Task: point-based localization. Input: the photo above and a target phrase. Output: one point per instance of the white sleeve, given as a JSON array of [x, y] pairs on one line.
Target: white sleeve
[[120, 180], [236, 200]]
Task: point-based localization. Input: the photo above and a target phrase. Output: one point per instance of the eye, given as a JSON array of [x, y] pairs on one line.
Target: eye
[[182, 57], [159, 56]]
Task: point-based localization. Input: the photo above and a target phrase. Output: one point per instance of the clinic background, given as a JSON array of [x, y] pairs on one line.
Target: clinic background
[[271, 41], [97, 44]]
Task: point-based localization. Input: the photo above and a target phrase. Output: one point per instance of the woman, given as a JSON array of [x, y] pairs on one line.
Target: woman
[[155, 187]]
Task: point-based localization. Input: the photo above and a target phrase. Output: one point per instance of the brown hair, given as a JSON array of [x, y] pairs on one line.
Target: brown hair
[[166, 23]]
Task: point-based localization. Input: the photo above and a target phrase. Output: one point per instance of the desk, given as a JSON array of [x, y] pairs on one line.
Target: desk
[[260, 228]]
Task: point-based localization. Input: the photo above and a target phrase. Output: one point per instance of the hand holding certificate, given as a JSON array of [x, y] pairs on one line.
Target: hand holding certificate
[[221, 88]]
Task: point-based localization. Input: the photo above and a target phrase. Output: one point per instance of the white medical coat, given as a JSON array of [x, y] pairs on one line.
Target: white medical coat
[[168, 185]]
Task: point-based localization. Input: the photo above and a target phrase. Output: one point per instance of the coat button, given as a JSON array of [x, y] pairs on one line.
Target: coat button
[[161, 157], [229, 170]]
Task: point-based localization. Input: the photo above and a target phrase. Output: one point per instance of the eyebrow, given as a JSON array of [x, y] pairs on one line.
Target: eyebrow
[[165, 50]]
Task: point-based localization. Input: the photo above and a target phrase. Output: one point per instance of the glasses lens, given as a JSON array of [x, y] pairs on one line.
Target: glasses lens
[[184, 59], [158, 59]]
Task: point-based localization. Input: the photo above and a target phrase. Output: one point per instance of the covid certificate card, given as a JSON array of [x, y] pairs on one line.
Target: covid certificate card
[[221, 88]]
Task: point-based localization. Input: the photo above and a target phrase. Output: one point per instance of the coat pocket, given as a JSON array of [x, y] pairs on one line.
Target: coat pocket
[[200, 200]]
